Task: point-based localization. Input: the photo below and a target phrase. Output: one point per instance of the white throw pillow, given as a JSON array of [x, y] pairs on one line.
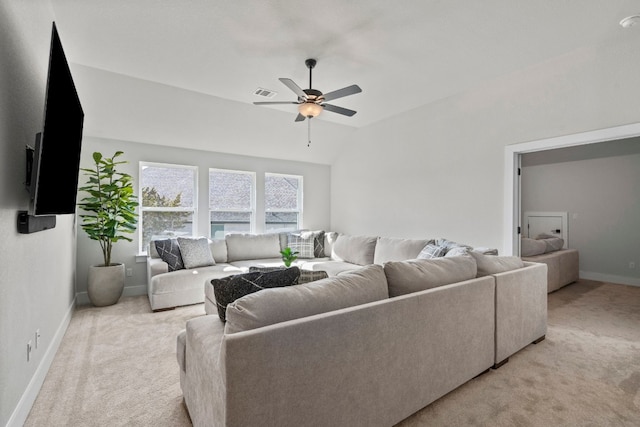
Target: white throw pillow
[[195, 252]]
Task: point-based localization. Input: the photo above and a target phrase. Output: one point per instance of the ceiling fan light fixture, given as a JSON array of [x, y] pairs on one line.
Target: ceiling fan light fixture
[[630, 21], [309, 109]]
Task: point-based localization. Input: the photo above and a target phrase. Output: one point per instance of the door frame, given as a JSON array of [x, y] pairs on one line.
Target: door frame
[[512, 154]]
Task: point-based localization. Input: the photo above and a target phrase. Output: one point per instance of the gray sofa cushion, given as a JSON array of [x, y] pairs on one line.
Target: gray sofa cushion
[[493, 264], [404, 277], [531, 247], [277, 305], [195, 252], [218, 248], [396, 249], [354, 249], [229, 289], [252, 246]]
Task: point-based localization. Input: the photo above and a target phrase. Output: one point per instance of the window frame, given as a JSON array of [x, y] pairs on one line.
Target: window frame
[[252, 211], [193, 210], [300, 198]]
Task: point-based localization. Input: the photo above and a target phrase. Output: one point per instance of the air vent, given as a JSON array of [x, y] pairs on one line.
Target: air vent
[[265, 93]]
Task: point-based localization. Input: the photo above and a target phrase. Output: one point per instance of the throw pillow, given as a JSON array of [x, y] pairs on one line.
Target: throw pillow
[[432, 251], [195, 252], [230, 288], [318, 244], [457, 251], [493, 264], [303, 243], [450, 244], [169, 251]]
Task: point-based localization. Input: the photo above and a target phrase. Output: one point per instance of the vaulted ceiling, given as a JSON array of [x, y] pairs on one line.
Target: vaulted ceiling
[[402, 54]]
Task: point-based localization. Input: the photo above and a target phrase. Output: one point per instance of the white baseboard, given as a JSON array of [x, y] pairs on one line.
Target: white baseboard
[[129, 291], [622, 280], [29, 396]]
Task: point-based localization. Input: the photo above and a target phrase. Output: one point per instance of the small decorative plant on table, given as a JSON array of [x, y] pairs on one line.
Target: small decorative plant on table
[[288, 256]]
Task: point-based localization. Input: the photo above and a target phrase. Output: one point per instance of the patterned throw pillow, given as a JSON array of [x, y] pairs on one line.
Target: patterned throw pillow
[[303, 243], [432, 251], [195, 252], [169, 251], [230, 288], [318, 244], [306, 276]]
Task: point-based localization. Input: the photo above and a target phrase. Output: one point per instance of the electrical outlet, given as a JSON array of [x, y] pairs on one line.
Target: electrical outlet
[[37, 337], [29, 351], [129, 272], [632, 265]]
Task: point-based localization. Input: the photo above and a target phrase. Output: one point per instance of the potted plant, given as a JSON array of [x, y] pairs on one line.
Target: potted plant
[[109, 214], [288, 256]]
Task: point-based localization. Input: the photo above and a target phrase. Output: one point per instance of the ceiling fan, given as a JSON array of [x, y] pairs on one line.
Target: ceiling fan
[[311, 102]]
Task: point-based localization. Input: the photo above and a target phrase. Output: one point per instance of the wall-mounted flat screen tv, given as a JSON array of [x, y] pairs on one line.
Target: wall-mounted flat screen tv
[[53, 176]]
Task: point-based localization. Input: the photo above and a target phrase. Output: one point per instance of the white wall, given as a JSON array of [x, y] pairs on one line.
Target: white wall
[[602, 198], [38, 270], [316, 197], [437, 171]]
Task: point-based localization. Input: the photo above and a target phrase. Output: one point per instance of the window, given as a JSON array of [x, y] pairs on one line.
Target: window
[[168, 195], [231, 202], [282, 202]]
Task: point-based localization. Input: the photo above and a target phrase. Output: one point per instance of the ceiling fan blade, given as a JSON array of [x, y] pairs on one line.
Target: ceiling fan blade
[[300, 118], [345, 91], [294, 87], [274, 102], [339, 110]]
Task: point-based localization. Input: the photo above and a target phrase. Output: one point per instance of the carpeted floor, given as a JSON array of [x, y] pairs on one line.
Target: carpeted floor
[[116, 367]]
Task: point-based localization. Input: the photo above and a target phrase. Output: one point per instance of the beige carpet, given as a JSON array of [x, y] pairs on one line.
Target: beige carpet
[[117, 367]]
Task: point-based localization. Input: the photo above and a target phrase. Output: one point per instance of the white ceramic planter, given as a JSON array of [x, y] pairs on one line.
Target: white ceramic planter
[[105, 284]]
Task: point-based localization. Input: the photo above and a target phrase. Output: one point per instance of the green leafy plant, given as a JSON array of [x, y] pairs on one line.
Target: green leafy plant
[[288, 256], [110, 204]]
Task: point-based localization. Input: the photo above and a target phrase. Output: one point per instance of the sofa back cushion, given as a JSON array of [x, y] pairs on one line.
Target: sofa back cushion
[[252, 246], [354, 249], [276, 305], [330, 238], [532, 247], [415, 275], [493, 264], [394, 249], [218, 249]]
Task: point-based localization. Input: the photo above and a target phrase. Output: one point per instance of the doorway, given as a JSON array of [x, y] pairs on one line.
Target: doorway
[[512, 208]]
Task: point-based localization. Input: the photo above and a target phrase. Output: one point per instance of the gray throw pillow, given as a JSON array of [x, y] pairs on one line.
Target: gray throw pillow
[[318, 244], [195, 252], [303, 243], [169, 252], [230, 288], [432, 251]]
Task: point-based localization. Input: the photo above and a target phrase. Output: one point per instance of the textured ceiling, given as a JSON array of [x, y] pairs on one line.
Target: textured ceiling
[[402, 54]]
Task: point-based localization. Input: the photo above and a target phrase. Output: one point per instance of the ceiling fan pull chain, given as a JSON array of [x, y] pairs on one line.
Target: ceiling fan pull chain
[[309, 131]]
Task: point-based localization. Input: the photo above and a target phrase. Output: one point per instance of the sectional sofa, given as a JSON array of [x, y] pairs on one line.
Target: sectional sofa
[[366, 347], [332, 252]]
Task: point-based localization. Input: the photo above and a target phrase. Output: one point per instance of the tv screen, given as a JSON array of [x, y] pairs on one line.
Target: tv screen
[[56, 157]]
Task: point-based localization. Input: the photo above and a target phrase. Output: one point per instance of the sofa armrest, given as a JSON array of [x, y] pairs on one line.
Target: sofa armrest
[[156, 266], [521, 309], [204, 386]]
